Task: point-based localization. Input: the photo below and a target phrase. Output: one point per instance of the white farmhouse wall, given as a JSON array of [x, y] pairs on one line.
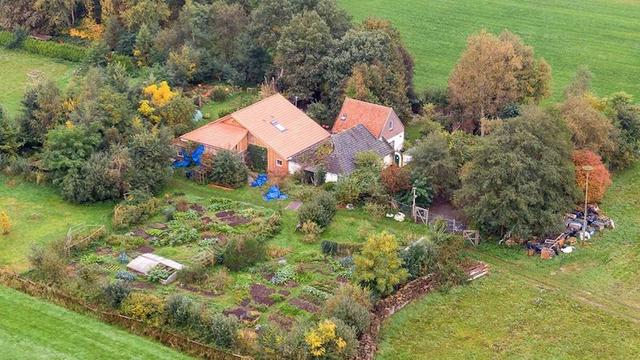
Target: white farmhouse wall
[[397, 141]]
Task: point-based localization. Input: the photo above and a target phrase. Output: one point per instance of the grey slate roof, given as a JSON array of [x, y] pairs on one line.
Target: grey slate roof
[[346, 145]]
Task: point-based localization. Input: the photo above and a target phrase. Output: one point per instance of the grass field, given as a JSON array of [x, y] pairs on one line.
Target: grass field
[[33, 329], [38, 214], [603, 34], [577, 306], [16, 68]]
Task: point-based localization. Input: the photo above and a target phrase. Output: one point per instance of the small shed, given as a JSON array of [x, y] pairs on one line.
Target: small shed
[[144, 263]]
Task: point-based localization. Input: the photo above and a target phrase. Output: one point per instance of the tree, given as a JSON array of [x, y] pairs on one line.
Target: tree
[[42, 106], [494, 72], [520, 178], [300, 55], [5, 223], [599, 177], [376, 83], [590, 129], [15, 14], [395, 179], [149, 13], [432, 161], [68, 147], [378, 265], [9, 144], [183, 65], [150, 153], [228, 169]]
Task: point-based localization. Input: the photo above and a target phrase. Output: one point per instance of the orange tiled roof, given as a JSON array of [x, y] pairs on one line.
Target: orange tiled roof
[[280, 125], [354, 112], [217, 134]]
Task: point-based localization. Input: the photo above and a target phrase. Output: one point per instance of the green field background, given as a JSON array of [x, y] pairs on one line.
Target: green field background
[[604, 35]]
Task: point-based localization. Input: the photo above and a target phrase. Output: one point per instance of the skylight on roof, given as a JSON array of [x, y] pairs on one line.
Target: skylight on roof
[[278, 126]]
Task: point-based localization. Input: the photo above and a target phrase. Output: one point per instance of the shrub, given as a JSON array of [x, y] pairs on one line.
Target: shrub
[[180, 311], [228, 169], [379, 266], [395, 179], [219, 93], [19, 36], [115, 293], [321, 210], [599, 177], [329, 247], [243, 251], [331, 339], [311, 230], [349, 311], [220, 330], [341, 249], [419, 258], [49, 263], [131, 212], [193, 274], [145, 307]]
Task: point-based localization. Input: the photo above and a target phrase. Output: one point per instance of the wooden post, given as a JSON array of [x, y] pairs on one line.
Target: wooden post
[[413, 205]]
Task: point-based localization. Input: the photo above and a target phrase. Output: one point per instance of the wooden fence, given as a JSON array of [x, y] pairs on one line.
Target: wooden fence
[[135, 326]]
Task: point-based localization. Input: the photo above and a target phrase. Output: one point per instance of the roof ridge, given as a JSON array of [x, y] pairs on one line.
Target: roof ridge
[[260, 101]]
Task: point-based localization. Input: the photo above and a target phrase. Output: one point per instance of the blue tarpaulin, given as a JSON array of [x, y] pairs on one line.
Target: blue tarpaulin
[[260, 180], [274, 193], [190, 159]]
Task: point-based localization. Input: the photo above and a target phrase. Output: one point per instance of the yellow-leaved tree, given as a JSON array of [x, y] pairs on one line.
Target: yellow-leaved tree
[[379, 265]]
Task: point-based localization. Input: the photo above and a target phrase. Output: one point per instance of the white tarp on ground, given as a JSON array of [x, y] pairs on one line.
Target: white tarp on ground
[[145, 262]]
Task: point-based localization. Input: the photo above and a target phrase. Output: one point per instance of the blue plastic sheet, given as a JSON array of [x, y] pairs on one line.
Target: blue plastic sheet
[[260, 180], [274, 193], [190, 159]]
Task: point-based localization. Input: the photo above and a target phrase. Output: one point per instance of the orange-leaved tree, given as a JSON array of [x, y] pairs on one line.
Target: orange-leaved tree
[[599, 177]]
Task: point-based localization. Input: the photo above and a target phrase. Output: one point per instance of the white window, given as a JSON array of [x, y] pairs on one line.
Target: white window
[[278, 162], [391, 124]]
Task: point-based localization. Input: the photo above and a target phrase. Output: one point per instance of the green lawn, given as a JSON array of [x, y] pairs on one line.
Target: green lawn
[[233, 102], [38, 214], [575, 306], [603, 34], [17, 69], [34, 329]]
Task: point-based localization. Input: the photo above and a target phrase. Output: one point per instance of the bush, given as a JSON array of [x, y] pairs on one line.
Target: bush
[[145, 307], [115, 293], [193, 274], [311, 230], [180, 311], [331, 339], [19, 36], [139, 207], [419, 258], [321, 210], [378, 266], [243, 251], [219, 93], [228, 169], [395, 179], [220, 330], [340, 249], [349, 311], [49, 263]]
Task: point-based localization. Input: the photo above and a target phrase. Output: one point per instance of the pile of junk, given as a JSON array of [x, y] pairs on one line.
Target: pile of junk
[[574, 230]]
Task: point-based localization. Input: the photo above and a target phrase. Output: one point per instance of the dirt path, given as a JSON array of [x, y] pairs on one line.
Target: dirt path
[[607, 304]]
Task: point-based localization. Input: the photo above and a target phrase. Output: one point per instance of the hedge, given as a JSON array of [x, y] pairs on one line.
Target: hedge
[[48, 48]]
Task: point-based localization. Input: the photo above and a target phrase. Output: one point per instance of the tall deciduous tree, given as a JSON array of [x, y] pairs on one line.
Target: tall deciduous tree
[[9, 143], [521, 178], [590, 129], [301, 55], [494, 72], [432, 161], [42, 111]]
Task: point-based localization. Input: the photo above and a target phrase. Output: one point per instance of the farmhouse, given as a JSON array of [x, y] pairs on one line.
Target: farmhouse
[[336, 156], [380, 120], [272, 126]]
